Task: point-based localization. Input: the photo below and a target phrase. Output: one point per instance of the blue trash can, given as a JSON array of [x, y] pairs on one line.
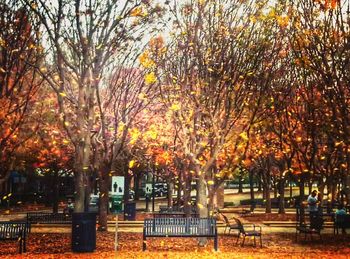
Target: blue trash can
[[130, 210], [83, 232]]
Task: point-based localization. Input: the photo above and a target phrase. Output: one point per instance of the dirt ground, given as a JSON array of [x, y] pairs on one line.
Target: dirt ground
[[130, 246]]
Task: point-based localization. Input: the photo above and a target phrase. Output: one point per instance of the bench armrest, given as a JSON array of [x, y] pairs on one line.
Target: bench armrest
[[249, 225]]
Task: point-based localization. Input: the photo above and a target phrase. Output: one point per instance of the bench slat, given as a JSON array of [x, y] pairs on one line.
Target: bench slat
[[42, 217]]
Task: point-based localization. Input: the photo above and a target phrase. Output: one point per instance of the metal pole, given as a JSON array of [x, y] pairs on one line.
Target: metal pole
[[153, 193]]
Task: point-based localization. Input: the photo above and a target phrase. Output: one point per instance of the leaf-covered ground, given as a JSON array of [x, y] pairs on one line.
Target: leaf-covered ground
[[130, 246]]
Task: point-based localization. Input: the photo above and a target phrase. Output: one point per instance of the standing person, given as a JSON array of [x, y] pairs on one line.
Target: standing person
[[312, 202]]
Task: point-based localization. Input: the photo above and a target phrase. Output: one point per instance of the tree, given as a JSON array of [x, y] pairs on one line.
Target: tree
[[84, 37], [207, 73], [19, 51], [320, 45]]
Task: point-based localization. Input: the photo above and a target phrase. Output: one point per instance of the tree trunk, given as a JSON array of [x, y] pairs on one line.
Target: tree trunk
[[126, 184], [179, 188], [346, 188], [268, 198], [82, 166], [266, 187], [219, 196], [259, 185], [187, 195], [334, 190], [55, 191], [281, 209], [321, 188], [301, 189], [251, 184], [202, 205], [136, 186], [275, 189], [240, 183], [103, 198], [170, 193], [79, 199]]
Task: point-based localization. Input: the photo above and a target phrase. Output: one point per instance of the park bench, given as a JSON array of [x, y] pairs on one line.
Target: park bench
[[341, 222], [180, 227], [15, 231], [48, 218], [174, 214]]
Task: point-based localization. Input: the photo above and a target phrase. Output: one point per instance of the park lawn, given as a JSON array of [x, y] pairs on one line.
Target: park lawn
[[130, 246]]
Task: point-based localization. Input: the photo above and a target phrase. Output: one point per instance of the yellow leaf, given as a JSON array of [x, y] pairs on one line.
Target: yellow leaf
[[131, 163], [244, 136], [150, 78], [146, 61], [137, 11], [152, 134], [121, 127], [210, 182], [175, 107]]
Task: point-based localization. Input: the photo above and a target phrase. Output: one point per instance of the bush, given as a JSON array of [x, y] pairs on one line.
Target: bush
[[250, 202], [229, 204]]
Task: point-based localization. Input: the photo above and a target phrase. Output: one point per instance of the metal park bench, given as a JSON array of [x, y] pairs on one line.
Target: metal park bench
[[48, 218], [180, 227], [16, 231]]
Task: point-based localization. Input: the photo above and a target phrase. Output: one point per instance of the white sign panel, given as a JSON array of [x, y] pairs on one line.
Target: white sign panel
[[117, 185], [148, 189]]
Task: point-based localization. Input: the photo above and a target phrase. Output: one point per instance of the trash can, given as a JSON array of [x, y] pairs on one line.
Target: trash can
[[83, 232], [116, 203], [130, 210]]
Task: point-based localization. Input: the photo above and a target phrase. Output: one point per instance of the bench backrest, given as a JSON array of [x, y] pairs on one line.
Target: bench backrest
[[174, 215], [42, 217], [181, 226], [13, 230], [238, 223]]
